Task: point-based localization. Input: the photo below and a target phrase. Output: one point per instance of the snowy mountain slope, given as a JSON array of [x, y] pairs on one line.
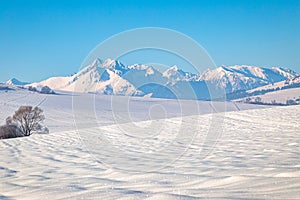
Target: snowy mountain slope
[[174, 74], [105, 82], [56, 83], [286, 72], [140, 75]]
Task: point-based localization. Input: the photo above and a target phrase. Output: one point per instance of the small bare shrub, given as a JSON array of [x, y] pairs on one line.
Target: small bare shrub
[[10, 131]]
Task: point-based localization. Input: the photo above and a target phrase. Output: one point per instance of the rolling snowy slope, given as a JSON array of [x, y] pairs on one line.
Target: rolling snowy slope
[[59, 111], [290, 83], [280, 96], [256, 156], [279, 92]]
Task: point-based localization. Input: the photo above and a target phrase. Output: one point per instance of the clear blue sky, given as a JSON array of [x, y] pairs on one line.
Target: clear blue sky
[[39, 39]]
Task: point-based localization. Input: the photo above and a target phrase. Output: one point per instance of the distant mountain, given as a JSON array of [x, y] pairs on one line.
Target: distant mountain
[[112, 77], [236, 78], [16, 82]]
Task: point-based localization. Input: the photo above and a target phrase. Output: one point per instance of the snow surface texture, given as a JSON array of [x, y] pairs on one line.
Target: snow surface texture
[[255, 157]]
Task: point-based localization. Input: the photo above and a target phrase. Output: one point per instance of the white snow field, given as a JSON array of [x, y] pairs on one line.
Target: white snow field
[[280, 96], [255, 156]]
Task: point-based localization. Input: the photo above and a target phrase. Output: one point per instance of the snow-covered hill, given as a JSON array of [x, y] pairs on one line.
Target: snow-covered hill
[[112, 77], [255, 157], [290, 96], [15, 81], [289, 83], [283, 92]]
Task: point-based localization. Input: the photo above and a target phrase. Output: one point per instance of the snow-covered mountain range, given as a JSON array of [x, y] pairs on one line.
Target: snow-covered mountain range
[[112, 77], [236, 78]]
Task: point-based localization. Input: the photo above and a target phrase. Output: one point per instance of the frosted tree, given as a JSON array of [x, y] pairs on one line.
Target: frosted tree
[[257, 100], [28, 119], [46, 90]]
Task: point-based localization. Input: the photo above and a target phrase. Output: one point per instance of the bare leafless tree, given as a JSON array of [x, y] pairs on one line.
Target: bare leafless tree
[[28, 119]]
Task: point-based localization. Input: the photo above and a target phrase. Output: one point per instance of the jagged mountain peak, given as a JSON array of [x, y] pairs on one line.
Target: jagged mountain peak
[[140, 67], [174, 74], [98, 66], [175, 70], [147, 70], [111, 63], [97, 62], [107, 64]]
